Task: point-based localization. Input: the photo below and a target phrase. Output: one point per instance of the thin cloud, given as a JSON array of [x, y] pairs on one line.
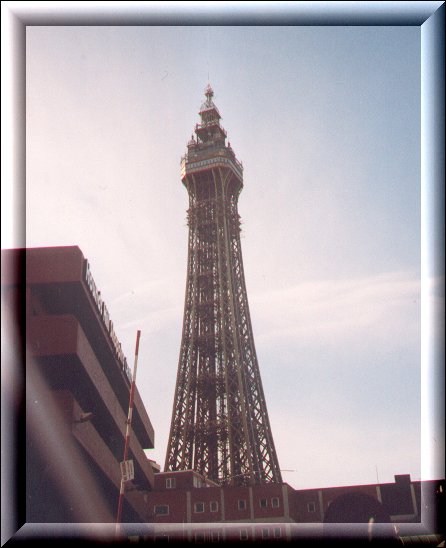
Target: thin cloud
[[334, 309]]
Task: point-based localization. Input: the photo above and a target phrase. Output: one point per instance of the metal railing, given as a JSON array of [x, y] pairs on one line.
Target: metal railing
[[187, 166]]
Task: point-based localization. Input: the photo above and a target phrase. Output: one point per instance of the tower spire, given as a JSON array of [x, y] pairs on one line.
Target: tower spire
[[220, 425], [209, 92]]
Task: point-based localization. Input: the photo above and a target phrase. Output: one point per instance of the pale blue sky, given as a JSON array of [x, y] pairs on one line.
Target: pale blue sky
[[326, 121]]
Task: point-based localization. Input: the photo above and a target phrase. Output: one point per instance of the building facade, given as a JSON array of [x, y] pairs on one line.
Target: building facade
[[186, 496], [77, 393], [184, 505]]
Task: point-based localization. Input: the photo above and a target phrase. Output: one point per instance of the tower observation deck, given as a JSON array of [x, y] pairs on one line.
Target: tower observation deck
[[220, 425]]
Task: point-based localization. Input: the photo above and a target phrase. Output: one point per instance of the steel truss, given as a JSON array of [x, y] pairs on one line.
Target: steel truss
[[220, 424]]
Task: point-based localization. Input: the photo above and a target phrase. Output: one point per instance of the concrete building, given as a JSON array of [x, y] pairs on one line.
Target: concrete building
[[77, 393]]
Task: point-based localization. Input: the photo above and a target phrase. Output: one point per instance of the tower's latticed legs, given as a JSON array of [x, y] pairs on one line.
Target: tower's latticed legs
[[220, 424]]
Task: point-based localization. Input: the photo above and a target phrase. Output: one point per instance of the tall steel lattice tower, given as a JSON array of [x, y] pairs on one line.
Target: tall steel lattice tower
[[220, 424]]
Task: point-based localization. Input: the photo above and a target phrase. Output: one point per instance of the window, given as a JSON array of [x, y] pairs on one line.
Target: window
[[242, 504], [214, 506], [162, 510], [275, 503], [265, 533], [263, 503], [199, 507], [311, 506], [199, 537], [243, 534], [170, 483], [277, 532]]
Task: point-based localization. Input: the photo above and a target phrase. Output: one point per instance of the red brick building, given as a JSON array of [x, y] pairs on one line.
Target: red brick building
[[77, 392], [186, 506], [187, 496]]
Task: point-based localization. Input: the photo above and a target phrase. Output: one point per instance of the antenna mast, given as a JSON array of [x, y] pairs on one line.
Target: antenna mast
[[127, 466]]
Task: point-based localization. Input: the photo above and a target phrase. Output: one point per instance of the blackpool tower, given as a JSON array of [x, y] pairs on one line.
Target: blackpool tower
[[220, 425]]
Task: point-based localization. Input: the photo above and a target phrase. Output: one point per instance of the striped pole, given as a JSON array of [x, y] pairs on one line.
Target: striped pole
[[127, 432]]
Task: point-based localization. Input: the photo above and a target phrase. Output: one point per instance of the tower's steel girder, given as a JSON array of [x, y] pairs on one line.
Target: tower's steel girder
[[220, 424]]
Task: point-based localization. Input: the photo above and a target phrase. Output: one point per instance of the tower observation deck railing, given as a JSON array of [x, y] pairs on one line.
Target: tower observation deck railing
[[188, 164]]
